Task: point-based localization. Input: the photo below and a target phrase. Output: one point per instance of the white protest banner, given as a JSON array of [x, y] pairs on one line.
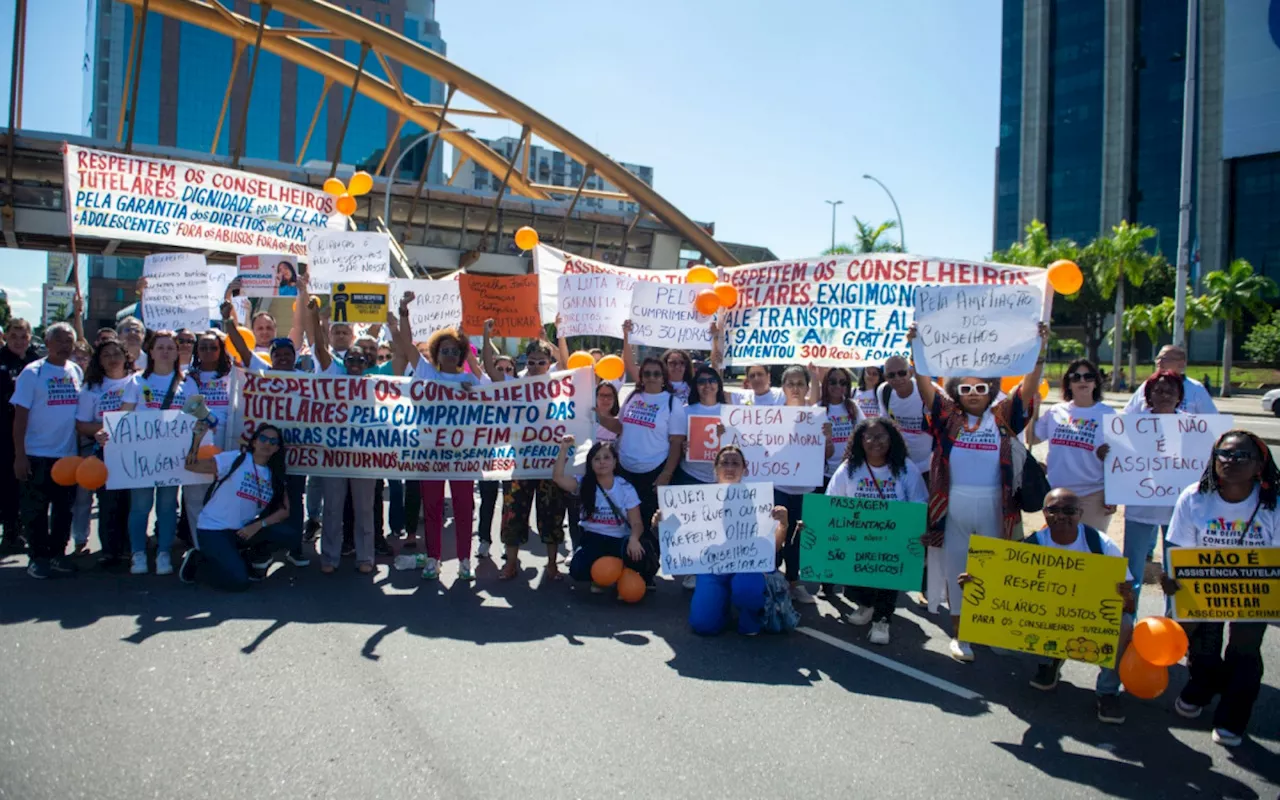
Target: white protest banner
[[148, 448], [348, 257], [594, 304], [183, 204], [717, 528], [58, 302], [550, 263], [436, 304], [662, 315], [1153, 457], [977, 330], [178, 292], [270, 275], [783, 444], [841, 311]]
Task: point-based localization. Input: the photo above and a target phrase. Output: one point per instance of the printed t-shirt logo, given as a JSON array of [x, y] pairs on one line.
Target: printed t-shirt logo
[[640, 413], [982, 439], [866, 488], [1077, 432], [841, 429], [63, 391], [1227, 532], [110, 401], [254, 487], [215, 392]]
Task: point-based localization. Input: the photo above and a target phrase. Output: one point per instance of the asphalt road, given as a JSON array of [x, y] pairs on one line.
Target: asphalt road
[[310, 686]]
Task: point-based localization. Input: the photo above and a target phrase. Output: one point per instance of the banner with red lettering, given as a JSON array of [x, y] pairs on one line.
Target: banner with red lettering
[[551, 263], [392, 427], [184, 204], [849, 311]]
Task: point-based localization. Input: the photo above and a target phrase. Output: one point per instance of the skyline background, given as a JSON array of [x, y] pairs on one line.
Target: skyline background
[[750, 118]]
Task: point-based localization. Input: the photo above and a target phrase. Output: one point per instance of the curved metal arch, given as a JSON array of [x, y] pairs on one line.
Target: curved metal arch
[[391, 44]]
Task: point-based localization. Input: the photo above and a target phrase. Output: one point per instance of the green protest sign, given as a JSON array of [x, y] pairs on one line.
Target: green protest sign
[[860, 542]]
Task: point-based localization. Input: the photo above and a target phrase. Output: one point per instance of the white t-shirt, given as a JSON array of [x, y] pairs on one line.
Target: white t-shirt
[[1206, 520], [1195, 399], [681, 390], [602, 520], [51, 395], [240, 498], [773, 397], [700, 471], [100, 398], [647, 422], [909, 412], [907, 486], [1081, 545], [975, 456], [427, 371], [149, 392], [867, 402], [1074, 435], [841, 429], [216, 392]]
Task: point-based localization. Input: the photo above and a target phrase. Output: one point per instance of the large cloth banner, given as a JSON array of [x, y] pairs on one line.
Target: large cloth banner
[[849, 311], [717, 528], [1153, 457], [391, 427], [550, 263], [974, 331], [149, 448], [1230, 583], [183, 204]]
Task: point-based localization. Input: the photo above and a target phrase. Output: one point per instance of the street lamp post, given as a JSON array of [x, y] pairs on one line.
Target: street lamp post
[[395, 168], [902, 233], [833, 204]]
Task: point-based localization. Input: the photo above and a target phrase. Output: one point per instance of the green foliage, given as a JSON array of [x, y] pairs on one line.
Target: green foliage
[[841, 249], [867, 238], [1263, 343], [1122, 257], [1237, 291], [1066, 348], [5, 313]]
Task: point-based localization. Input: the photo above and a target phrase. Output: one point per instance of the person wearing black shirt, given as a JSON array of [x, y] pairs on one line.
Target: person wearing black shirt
[[16, 354]]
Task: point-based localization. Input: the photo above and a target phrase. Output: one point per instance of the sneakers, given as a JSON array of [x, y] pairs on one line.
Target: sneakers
[[299, 560], [139, 565], [464, 570], [1046, 678], [187, 569], [39, 569], [164, 563], [861, 616], [483, 552], [799, 594], [432, 570], [1109, 709], [313, 528], [961, 651], [261, 563], [879, 632], [256, 574], [1226, 738], [61, 565], [381, 548], [348, 549], [690, 582], [1185, 709]]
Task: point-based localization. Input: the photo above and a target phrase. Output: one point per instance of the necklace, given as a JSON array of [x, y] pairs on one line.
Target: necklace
[[971, 428]]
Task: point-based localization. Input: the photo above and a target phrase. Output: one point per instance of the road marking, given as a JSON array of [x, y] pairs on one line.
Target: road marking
[[889, 663]]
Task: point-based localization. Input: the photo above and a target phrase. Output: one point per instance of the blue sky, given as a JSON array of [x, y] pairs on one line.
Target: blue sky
[[751, 113]]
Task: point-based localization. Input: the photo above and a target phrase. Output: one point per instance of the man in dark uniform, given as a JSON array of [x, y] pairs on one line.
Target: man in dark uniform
[[16, 354]]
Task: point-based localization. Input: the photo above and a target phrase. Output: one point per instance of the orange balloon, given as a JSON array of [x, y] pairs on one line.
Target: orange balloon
[[91, 474], [700, 274], [346, 205], [526, 238], [1159, 640], [64, 470], [607, 570], [1044, 390], [335, 187], [1142, 678], [1065, 277], [580, 359], [728, 294], [208, 451], [609, 368], [1010, 382], [360, 183], [630, 586], [707, 303]]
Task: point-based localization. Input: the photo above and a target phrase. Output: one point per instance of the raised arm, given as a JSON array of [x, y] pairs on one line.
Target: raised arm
[[717, 343], [398, 359], [486, 354], [402, 335], [230, 325], [320, 337], [923, 382], [816, 376], [629, 355], [1031, 381], [77, 311], [300, 307], [566, 482], [562, 346]]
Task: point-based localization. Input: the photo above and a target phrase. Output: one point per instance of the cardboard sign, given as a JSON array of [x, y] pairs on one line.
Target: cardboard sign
[[1226, 584], [178, 292], [783, 444], [704, 439], [717, 528], [977, 330], [436, 305], [859, 542], [594, 304], [149, 448], [359, 302], [550, 263], [511, 301], [1043, 600], [347, 257], [1153, 457], [663, 315], [268, 275]]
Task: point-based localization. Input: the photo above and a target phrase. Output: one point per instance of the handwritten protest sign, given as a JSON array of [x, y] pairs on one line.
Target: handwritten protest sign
[[594, 304], [392, 427], [842, 310], [1153, 457], [783, 444], [148, 448], [1235, 583], [268, 275], [977, 330], [178, 292], [703, 439], [58, 303], [184, 204], [1042, 600], [359, 302], [859, 542], [717, 528], [550, 263], [511, 301], [662, 315], [348, 256], [436, 305]]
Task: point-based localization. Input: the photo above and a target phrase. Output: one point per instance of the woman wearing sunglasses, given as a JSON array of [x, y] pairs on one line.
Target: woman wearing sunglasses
[[210, 377], [865, 397], [186, 348], [1144, 525], [676, 364], [109, 378], [842, 414], [1075, 433], [971, 484], [1233, 506], [708, 397]]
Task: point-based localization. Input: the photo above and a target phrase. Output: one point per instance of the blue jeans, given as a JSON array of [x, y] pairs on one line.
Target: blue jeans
[[224, 556], [1108, 678], [296, 487], [715, 597], [315, 498], [1139, 539], [395, 510], [165, 499]]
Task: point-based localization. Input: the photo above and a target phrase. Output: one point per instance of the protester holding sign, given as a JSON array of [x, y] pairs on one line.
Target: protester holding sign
[[1145, 525], [875, 466], [1074, 431], [209, 377], [797, 387], [677, 363], [868, 382], [972, 482], [109, 378], [704, 425], [1233, 506]]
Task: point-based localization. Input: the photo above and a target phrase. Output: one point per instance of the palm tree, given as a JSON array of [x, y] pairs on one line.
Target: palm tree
[[1231, 294], [1122, 259], [1037, 250], [1136, 320], [867, 238], [839, 250]]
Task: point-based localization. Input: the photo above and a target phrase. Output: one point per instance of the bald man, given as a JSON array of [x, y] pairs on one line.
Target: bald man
[[899, 399], [1195, 398]]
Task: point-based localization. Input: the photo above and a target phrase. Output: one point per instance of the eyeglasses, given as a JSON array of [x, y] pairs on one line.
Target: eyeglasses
[[271, 440], [450, 350], [187, 342], [649, 373], [507, 368], [706, 380], [353, 360], [1081, 377], [979, 389], [382, 359], [1232, 456], [902, 373], [542, 362], [1061, 511], [838, 382]]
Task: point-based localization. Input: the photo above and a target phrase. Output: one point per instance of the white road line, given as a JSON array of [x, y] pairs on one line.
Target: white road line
[[889, 663]]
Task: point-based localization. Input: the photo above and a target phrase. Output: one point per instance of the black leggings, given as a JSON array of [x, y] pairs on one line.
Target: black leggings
[[790, 552], [1235, 674], [643, 483]]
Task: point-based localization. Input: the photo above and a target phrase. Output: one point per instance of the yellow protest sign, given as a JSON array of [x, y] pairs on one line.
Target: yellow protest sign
[[358, 302], [1235, 583], [1042, 600]]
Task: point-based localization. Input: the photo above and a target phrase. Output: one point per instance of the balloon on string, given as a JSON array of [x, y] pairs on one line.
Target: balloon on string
[[1140, 677], [580, 359], [1065, 277], [606, 571], [91, 474], [728, 294], [346, 205], [630, 586], [1010, 382], [64, 470], [335, 187], [700, 274], [609, 368], [526, 238], [707, 303], [360, 183], [1159, 640]]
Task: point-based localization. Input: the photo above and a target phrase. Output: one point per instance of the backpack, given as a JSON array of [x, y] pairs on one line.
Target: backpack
[[882, 394], [778, 615], [1030, 483], [1092, 539]]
